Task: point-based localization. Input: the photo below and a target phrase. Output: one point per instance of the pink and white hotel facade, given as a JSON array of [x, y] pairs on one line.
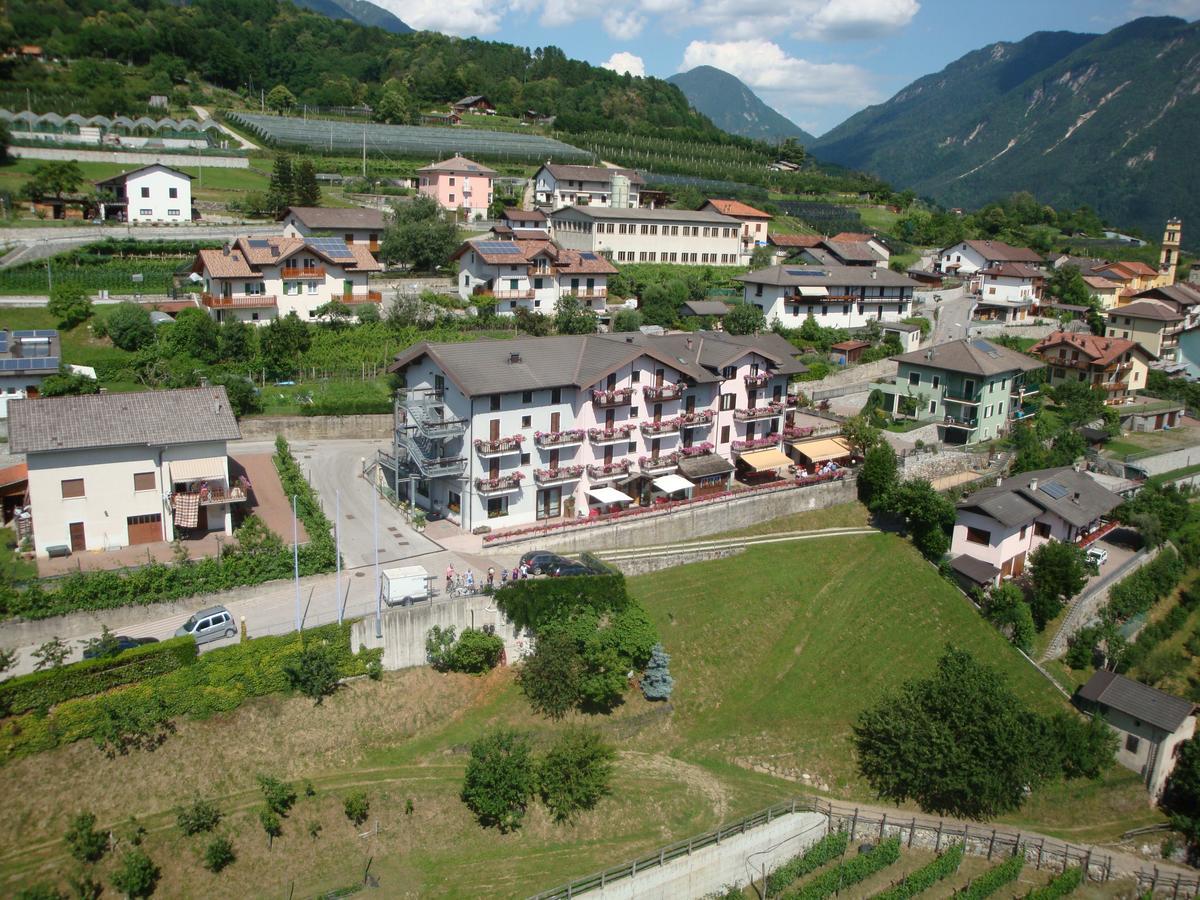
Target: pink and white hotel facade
[[507, 433]]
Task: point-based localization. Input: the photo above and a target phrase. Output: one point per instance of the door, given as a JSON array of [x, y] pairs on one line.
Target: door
[[78, 542], [347, 290], [144, 529], [494, 430], [202, 518], [611, 381], [555, 420], [658, 377], [549, 503], [1018, 564], [657, 412], [610, 419], [689, 404], [1158, 422], [493, 469]]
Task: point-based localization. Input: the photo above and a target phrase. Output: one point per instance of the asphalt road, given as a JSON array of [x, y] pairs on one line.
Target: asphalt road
[[953, 315]]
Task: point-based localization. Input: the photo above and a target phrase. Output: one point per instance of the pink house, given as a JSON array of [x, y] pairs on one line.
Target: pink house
[[458, 183], [998, 527]]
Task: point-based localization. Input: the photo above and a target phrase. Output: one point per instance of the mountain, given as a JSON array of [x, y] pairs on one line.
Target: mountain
[[733, 107], [360, 11], [1111, 121]]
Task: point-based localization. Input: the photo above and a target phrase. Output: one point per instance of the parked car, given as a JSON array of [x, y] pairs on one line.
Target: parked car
[[542, 561], [1097, 555], [569, 567], [210, 624], [122, 642]]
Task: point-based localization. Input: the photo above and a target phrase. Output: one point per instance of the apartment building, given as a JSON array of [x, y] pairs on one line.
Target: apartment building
[[650, 235], [258, 279], [459, 183], [835, 296], [151, 194], [555, 186], [1114, 365], [531, 274], [755, 222], [353, 226], [1152, 324], [1009, 291], [504, 433]]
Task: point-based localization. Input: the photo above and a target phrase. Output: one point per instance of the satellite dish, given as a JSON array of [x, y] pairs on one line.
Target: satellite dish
[[195, 278]]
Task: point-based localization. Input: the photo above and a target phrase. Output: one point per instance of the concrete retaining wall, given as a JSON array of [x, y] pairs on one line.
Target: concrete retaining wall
[[641, 565], [124, 157], [1166, 462], [1023, 331], [405, 629], [315, 428]]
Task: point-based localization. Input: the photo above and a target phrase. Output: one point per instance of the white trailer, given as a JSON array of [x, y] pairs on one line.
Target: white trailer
[[406, 585]]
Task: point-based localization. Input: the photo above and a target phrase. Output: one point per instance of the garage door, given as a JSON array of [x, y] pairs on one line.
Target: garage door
[[145, 529]]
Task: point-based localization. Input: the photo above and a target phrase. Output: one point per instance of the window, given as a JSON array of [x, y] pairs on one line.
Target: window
[[146, 195], [495, 402], [727, 401], [291, 288], [72, 487], [978, 536], [143, 481], [728, 372], [497, 507], [724, 434], [145, 212], [173, 193], [1041, 529], [452, 200], [556, 395], [636, 376], [524, 459], [172, 212], [312, 287], [1132, 743], [1024, 529], [451, 181], [932, 407], [527, 396], [914, 378], [937, 380], [526, 421]]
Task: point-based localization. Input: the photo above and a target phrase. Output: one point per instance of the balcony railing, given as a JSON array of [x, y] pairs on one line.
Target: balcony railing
[[664, 462], [662, 392], [217, 496], [243, 301], [661, 427], [364, 297], [598, 471], [755, 413], [506, 295], [758, 380], [422, 455], [703, 449], [958, 422], [611, 435], [696, 419], [558, 475], [499, 446], [305, 272], [1113, 385], [615, 397], [431, 417], [771, 440], [499, 485], [586, 293], [560, 438], [960, 398]]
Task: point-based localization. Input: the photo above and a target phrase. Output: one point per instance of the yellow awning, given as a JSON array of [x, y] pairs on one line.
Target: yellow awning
[[198, 469], [822, 449], [762, 460]]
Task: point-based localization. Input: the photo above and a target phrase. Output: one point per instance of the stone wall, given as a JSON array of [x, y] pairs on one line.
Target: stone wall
[[315, 428], [930, 465], [642, 565], [853, 378], [1021, 331]]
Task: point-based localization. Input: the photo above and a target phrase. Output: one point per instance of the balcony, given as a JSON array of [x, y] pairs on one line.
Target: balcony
[[756, 413], [616, 397], [505, 295], [1113, 385], [242, 301], [488, 448], [611, 435], [757, 380], [661, 427], [762, 443], [606, 471], [951, 397], [363, 297], [696, 419], [662, 392], [560, 475], [426, 413], [597, 293], [704, 449], [967, 424], [551, 439], [658, 465], [302, 272], [502, 484], [218, 496]]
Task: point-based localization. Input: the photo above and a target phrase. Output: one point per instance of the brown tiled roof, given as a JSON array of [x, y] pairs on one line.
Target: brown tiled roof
[[849, 345], [459, 164], [364, 259], [1101, 284], [794, 240], [1146, 309], [14, 474], [571, 262], [1136, 267], [523, 215], [321, 217], [1002, 252], [591, 173], [220, 264], [1099, 350], [268, 251], [852, 237], [1014, 270], [738, 209]]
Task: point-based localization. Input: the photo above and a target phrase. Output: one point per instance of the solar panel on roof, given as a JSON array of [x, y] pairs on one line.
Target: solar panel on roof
[[332, 247], [985, 347], [588, 255], [25, 365], [258, 243], [499, 247], [36, 333], [806, 273], [1055, 490]]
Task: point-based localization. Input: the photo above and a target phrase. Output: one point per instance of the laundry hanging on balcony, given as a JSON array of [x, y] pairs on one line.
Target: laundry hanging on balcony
[[187, 510]]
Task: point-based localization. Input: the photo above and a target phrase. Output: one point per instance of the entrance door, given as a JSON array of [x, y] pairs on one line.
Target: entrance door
[[689, 403], [494, 430], [202, 518], [78, 542], [554, 421], [659, 375], [493, 469], [1158, 422], [1018, 564], [347, 290]]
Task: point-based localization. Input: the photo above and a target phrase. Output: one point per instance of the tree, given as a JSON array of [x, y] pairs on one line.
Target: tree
[[306, 191], [1181, 796], [137, 875], [280, 99], [500, 779], [218, 854], [958, 742], [280, 795], [103, 646], [313, 672], [1007, 610], [745, 318], [762, 257], [195, 333], [271, 823], [439, 644], [39, 891], [572, 317], [55, 179], [393, 106], [244, 398], [84, 842], [70, 305], [550, 677], [282, 187], [1078, 403], [928, 514], [657, 682], [476, 652], [237, 341], [367, 313], [420, 236], [283, 341], [860, 434], [130, 327], [575, 773], [357, 807], [68, 383], [201, 815], [1058, 571], [8, 659], [627, 320], [878, 475], [52, 654]]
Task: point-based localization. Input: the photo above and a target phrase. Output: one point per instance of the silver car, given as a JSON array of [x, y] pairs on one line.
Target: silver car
[[210, 624]]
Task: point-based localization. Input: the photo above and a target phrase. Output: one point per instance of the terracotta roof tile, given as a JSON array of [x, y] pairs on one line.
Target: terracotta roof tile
[[1100, 350], [737, 208]]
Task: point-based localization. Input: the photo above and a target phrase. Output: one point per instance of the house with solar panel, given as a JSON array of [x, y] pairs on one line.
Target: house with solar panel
[[459, 183], [532, 275], [26, 358], [257, 279], [834, 296]]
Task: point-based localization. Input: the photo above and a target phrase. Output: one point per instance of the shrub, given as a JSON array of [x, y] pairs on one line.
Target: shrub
[[69, 304], [83, 840], [500, 779], [851, 872], [657, 682], [137, 875], [532, 603], [357, 807], [314, 673], [280, 795], [202, 815], [39, 892], [550, 677], [1136, 593], [927, 876], [476, 652], [438, 646], [271, 824], [218, 854], [575, 773], [1059, 886], [823, 851], [129, 326], [994, 879]]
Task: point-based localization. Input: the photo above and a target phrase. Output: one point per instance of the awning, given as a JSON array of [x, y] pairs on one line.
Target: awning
[[821, 450], [814, 291], [763, 460], [669, 484], [198, 469], [608, 495]]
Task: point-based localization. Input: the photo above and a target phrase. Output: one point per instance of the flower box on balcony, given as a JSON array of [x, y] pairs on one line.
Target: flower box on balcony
[[503, 483], [792, 431], [771, 440], [770, 410], [696, 450], [661, 392], [510, 444], [657, 463], [758, 380], [559, 438], [607, 470], [696, 419], [615, 397], [562, 473], [607, 435], [663, 426]]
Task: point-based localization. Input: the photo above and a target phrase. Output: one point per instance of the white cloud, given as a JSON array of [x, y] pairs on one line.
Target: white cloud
[[623, 24], [840, 19], [623, 62], [460, 17], [807, 19]]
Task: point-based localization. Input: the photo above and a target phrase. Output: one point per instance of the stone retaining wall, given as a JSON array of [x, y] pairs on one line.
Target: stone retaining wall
[[316, 428]]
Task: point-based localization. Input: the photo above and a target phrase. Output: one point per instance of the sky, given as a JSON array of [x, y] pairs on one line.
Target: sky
[[815, 61]]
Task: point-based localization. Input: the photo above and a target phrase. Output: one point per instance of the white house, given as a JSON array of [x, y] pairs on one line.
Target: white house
[[649, 235], [354, 226], [532, 275], [27, 357], [113, 470], [151, 194], [835, 296], [969, 257], [555, 186], [755, 223], [257, 279], [1009, 291]]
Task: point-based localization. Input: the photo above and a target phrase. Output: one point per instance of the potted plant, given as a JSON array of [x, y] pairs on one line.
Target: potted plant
[[418, 520]]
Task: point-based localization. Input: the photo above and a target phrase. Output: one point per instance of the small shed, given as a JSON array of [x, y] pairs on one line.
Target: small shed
[[846, 353], [708, 472]]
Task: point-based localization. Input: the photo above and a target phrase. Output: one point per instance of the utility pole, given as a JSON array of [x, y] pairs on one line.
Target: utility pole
[[337, 539], [364, 142], [296, 559], [378, 595], [49, 278]]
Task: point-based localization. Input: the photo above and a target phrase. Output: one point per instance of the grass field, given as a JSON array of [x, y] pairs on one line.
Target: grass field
[[774, 653]]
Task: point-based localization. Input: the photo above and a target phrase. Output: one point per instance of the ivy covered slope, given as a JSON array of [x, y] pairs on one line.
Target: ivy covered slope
[[1110, 120]]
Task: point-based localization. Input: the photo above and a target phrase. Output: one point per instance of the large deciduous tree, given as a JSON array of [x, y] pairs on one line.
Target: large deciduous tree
[[500, 779], [420, 236], [1058, 571]]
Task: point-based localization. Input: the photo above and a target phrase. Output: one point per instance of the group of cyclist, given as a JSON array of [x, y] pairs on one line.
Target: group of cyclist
[[461, 584]]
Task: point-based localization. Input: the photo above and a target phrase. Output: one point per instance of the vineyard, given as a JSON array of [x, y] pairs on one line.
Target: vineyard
[[108, 265]]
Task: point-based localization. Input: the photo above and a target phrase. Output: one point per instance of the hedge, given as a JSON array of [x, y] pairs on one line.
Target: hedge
[[1157, 632], [1061, 886], [348, 406], [532, 602], [42, 690], [218, 681], [851, 872], [1138, 592], [927, 876], [823, 851], [994, 878]]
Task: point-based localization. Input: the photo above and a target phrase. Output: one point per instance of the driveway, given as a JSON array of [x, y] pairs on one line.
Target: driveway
[[952, 317]]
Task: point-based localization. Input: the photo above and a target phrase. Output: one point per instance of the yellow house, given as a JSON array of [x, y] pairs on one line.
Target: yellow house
[[1118, 366], [1107, 291], [1153, 325]]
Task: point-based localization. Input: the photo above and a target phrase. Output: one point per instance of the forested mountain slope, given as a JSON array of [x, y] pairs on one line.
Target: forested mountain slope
[[734, 107]]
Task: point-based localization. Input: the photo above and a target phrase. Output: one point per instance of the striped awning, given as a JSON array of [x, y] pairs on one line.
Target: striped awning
[[204, 469]]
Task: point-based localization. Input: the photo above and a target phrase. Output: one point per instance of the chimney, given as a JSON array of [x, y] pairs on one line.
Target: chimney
[[514, 358], [629, 340], [874, 273], [689, 343], [1076, 497], [226, 248], [1033, 484]]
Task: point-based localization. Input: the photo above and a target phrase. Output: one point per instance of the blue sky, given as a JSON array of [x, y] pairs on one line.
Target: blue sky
[[816, 61]]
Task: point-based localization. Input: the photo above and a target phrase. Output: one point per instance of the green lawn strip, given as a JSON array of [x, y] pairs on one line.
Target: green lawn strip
[[993, 879], [849, 873], [843, 515], [945, 865], [1173, 475], [1086, 811]]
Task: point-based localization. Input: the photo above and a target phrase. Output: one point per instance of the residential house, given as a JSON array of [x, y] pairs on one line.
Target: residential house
[[505, 433], [1105, 290], [113, 470], [153, 194], [522, 225], [476, 103], [830, 252], [649, 235], [354, 226], [1150, 724], [27, 357], [1153, 324], [860, 237], [835, 296], [1133, 276], [701, 308], [966, 258], [256, 279], [1009, 291], [458, 183], [755, 222], [972, 388], [908, 336], [1115, 365], [788, 246], [531, 275], [996, 528], [1087, 265], [555, 186]]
